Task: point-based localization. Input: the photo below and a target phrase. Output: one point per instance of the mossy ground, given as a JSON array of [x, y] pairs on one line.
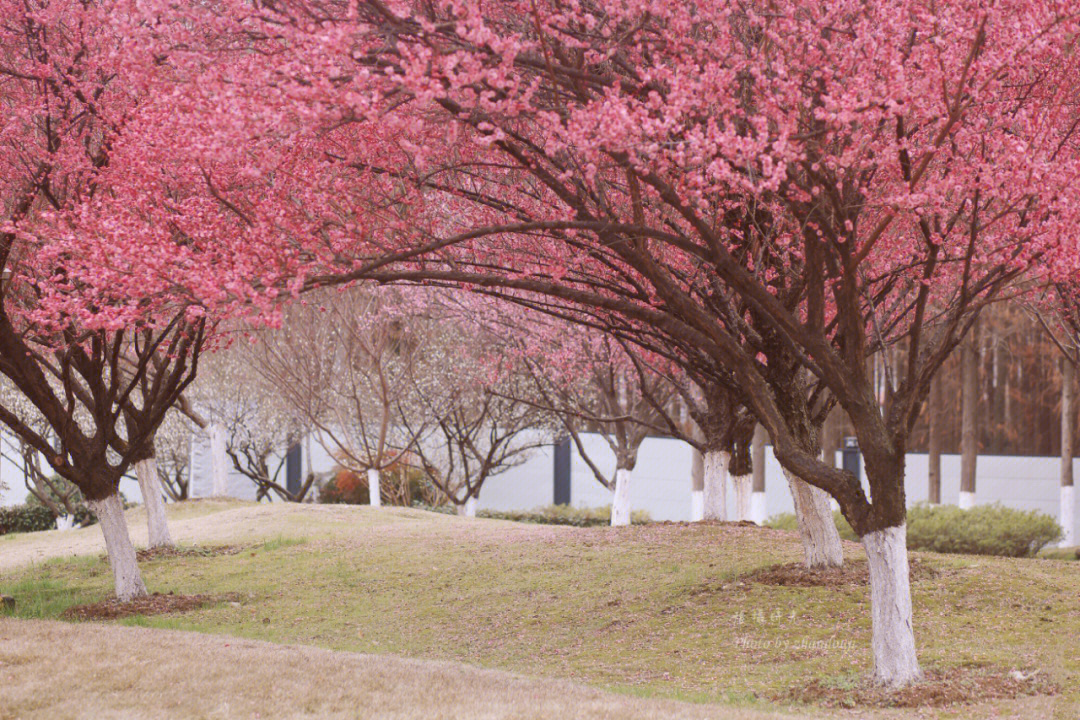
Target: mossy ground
[[657, 610]]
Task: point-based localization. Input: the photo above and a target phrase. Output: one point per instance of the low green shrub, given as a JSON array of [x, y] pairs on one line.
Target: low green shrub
[[25, 518], [550, 515], [982, 530], [60, 489]]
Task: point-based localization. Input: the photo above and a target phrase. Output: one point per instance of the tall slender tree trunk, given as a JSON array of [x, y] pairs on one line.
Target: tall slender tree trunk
[[715, 480], [620, 503], [934, 429], [125, 568], [821, 540], [893, 639], [374, 481], [1068, 499], [697, 486], [758, 508], [157, 523], [219, 469], [969, 402]]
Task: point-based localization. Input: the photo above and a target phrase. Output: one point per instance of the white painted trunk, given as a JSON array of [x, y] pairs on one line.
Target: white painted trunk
[[468, 508], [374, 487], [150, 486], [743, 484], [65, 522], [967, 500], [219, 470], [620, 502], [1068, 515], [697, 505], [893, 641], [125, 568], [821, 541], [758, 508], [716, 465]]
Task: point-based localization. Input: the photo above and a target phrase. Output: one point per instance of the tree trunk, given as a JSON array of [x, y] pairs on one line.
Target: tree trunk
[[969, 438], [374, 487], [620, 504], [934, 430], [125, 568], [697, 487], [893, 640], [467, 508], [742, 485], [758, 509], [219, 470], [714, 473], [1068, 500], [821, 540], [150, 486]]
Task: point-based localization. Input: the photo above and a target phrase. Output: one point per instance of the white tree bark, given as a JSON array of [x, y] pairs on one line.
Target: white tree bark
[[1068, 515], [468, 508], [620, 502], [821, 541], [967, 500], [125, 567], [893, 641], [219, 470], [150, 486], [715, 474], [374, 487], [742, 485]]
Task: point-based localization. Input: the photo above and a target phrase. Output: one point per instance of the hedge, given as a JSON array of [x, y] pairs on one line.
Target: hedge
[[25, 518], [982, 530]]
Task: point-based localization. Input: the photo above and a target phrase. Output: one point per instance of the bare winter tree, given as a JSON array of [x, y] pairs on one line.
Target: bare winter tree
[[345, 363], [602, 389], [479, 433], [258, 424]]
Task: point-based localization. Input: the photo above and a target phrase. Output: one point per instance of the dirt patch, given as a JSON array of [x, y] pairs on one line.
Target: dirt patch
[[954, 686], [176, 552], [155, 604], [852, 573]]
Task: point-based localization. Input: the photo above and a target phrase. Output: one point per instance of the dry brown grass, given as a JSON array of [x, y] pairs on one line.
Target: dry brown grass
[[121, 672]]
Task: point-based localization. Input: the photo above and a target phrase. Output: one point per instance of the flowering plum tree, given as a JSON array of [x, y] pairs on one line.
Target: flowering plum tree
[[740, 191]]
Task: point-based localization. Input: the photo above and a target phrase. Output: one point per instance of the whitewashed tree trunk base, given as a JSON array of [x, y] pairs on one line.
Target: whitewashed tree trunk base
[[715, 476], [1068, 515], [219, 469], [893, 641], [620, 502], [758, 508], [743, 485], [467, 508], [821, 540], [967, 500], [374, 481], [157, 523], [125, 567], [697, 505]]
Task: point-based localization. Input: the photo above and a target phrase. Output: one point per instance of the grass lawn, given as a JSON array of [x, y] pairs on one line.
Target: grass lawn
[[657, 611]]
